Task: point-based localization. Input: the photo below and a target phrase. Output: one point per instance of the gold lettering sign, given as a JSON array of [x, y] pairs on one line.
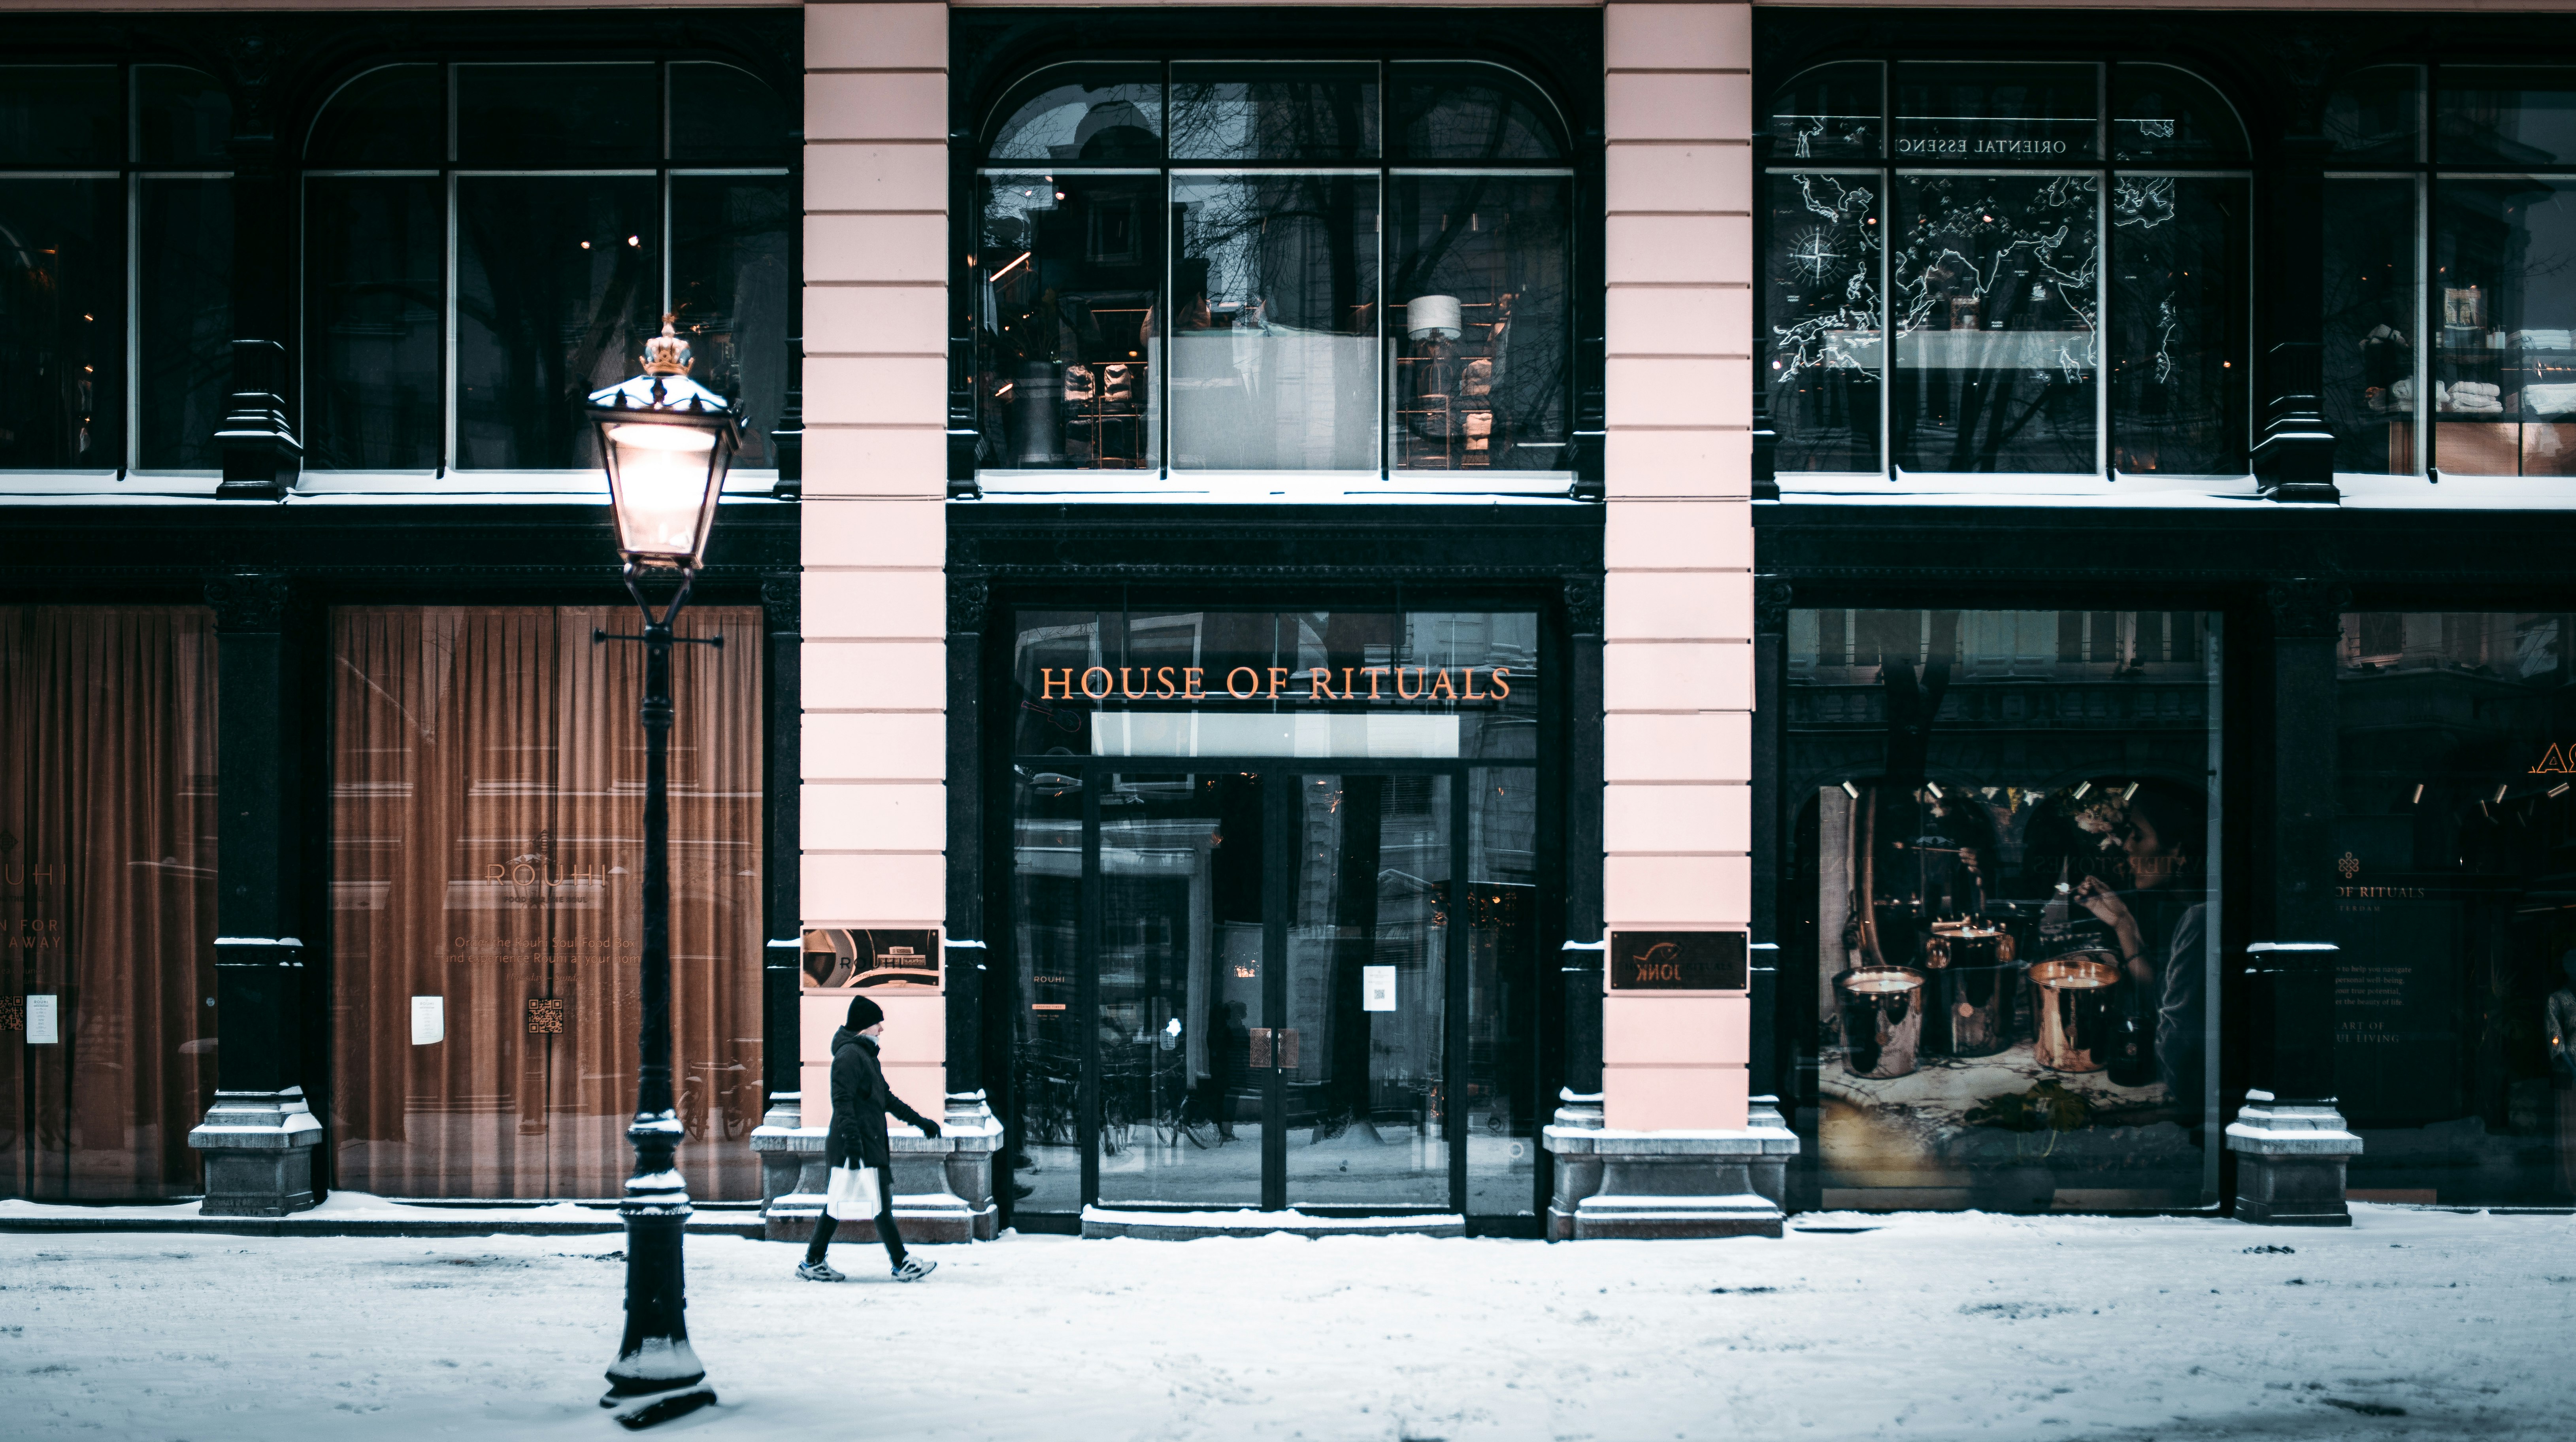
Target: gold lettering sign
[[1429, 685]]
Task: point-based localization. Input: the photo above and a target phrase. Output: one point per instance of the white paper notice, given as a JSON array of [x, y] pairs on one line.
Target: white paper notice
[[1377, 988], [42, 1027], [428, 1020]]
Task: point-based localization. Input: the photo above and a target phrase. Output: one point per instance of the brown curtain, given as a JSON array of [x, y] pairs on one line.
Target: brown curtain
[[107, 862], [488, 834]]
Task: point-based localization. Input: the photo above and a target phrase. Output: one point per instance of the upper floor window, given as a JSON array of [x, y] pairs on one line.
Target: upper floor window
[[116, 283], [2019, 268], [1359, 267], [485, 244], [2450, 261]]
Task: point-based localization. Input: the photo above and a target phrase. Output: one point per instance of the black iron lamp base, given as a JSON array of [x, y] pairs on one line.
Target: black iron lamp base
[[637, 1411]]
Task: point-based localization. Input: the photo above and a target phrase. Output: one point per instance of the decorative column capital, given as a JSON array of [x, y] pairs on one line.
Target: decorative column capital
[[249, 601], [782, 596], [1583, 605], [970, 597], [2307, 607], [1773, 597]]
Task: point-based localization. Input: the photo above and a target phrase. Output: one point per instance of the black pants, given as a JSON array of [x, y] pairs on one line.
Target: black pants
[[825, 1225]]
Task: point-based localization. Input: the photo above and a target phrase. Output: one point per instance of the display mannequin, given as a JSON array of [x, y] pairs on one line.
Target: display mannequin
[[2559, 1023]]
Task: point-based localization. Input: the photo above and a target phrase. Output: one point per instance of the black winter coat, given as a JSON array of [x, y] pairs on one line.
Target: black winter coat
[[860, 1102]]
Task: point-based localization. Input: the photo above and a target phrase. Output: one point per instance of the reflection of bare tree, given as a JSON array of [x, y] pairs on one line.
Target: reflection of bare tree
[[1268, 120], [1283, 249]]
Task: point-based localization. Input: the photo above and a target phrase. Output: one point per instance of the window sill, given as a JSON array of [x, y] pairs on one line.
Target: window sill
[[87, 484], [574, 485], [1274, 487]]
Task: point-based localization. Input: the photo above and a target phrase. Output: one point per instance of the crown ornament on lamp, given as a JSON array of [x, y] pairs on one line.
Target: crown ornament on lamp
[[667, 442]]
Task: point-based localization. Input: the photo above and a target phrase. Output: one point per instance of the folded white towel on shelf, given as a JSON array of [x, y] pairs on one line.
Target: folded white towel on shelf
[[2548, 400], [2464, 389], [2544, 339], [2475, 407]]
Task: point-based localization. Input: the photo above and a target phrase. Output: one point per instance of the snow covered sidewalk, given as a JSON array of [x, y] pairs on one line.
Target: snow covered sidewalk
[[2424, 1325]]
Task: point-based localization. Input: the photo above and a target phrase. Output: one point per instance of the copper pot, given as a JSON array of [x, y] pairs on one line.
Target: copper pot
[[1882, 1015], [1969, 971], [2075, 1006]]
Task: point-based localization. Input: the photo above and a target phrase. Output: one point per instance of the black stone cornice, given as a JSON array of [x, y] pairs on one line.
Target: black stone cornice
[[1447, 545], [2001, 556], [428, 553]]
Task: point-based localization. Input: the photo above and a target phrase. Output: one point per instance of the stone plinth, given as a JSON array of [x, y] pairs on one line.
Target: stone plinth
[[2290, 1160], [1638, 1184], [258, 1149], [943, 1185]]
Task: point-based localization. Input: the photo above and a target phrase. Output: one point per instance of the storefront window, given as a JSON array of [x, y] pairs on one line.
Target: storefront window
[[1993, 280], [107, 899], [1387, 291], [573, 207], [2003, 932], [2449, 312], [487, 835], [1242, 973], [2455, 989], [107, 217]]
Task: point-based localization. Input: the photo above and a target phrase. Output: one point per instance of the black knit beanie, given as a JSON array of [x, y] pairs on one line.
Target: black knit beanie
[[863, 1014]]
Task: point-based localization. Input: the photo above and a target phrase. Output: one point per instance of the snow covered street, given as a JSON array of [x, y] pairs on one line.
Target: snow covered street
[[2410, 1324]]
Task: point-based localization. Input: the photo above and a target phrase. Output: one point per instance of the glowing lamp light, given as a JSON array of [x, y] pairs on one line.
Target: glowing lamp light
[[667, 442]]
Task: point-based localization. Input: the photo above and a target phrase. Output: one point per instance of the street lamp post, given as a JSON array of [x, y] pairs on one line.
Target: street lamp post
[[666, 441]]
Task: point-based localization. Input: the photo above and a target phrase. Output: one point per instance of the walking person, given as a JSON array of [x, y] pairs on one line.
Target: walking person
[[860, 1102]]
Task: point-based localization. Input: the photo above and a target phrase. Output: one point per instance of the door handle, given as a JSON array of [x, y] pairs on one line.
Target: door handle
[[1261, 1046]]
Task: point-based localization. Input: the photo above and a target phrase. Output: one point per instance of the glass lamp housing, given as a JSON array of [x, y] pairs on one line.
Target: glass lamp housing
[[667, 442]]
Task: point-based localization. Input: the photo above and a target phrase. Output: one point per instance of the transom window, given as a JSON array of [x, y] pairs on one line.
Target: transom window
[[1354, 267], [2450, 266], [116, 283], [486, 244], [2006, 268]]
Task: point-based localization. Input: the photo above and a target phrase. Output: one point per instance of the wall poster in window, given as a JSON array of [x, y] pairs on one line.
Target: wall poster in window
[[2003, 920]]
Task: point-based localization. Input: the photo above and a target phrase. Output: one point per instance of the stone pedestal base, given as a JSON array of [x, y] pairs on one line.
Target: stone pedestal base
[[2290, 1161], [258, 1150], [1665, 1184], [943, 1185]]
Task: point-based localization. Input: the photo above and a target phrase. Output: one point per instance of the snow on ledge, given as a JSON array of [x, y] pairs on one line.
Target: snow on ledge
[[1267, 1221]]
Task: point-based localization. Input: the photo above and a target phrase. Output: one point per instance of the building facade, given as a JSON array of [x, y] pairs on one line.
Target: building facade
[[1573, 621]]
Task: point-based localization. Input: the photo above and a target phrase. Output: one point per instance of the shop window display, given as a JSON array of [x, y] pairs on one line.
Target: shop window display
[[595, 199], [1381, 286], [2004, 918], [2448, 304], [1946, 309], [2455, 1006], [487, 837], [107, 899]]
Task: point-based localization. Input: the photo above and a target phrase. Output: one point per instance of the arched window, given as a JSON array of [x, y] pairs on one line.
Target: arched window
[[115, 268], [2448, 269], [1196, 267], [485, 244], [2057, 252]]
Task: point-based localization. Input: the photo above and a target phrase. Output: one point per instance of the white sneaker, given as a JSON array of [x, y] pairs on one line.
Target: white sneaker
[[914, 1269], [819, 1272]]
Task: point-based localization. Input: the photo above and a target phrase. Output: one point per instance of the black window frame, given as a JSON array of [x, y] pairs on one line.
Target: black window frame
[[1887, 167], [1556, 51]]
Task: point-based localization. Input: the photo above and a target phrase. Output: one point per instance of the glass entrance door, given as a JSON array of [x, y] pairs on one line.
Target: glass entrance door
[[1250, 988], [1366, 991]]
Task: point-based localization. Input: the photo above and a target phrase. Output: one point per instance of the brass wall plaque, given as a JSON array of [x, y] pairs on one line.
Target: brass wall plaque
[[1679, 961]]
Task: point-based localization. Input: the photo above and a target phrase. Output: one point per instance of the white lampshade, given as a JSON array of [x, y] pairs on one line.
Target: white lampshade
[[1426, 316]]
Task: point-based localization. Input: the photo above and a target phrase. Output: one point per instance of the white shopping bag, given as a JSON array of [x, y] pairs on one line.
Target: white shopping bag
[[853, 1197]]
